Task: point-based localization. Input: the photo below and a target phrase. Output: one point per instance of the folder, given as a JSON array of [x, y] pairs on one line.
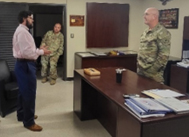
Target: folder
[[146, 107], [150, 105], [159, 93], [143, 116]]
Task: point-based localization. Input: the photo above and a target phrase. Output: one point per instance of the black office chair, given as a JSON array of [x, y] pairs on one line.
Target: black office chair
[[8, 89]]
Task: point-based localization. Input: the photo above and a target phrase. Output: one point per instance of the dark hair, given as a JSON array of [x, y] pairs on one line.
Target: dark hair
[[58, 23], [23, 14]]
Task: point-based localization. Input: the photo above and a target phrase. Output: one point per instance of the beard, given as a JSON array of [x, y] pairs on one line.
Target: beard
[[30, 26]]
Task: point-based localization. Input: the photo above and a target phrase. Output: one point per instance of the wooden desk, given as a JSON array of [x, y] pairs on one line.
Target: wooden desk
[[100, 97], [127, 61]]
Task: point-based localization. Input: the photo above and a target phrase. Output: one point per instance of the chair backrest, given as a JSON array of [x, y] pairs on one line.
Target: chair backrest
[[4, 71]]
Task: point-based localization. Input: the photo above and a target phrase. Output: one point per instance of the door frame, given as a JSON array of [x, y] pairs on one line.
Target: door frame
[[64, 24]]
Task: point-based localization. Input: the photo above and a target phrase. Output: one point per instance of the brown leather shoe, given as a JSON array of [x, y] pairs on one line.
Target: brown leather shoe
[[35, 116], [35, 127]]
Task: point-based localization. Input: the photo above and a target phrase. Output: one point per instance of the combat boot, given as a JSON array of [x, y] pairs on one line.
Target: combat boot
[[53, 81], [44, 79]]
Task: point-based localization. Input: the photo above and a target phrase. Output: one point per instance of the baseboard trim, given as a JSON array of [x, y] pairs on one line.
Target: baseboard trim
[[69, 79]]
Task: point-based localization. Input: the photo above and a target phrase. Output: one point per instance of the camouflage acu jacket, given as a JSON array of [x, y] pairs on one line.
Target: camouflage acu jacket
[[54, 41], [154, 52]]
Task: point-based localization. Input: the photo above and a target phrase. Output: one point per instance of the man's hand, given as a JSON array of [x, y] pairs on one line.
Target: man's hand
[[43, 46], [45, 49]]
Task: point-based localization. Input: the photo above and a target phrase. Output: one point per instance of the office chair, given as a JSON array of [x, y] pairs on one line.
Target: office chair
[[8, 89]]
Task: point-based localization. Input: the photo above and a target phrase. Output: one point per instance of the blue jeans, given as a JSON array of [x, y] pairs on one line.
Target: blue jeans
[[25, 72]]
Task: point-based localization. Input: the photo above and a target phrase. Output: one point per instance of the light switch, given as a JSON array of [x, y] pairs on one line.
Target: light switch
[[72, 35]]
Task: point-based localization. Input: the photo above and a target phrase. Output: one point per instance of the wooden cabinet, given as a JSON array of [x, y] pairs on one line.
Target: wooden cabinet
[[185, 44], [127, 61], [107, 25], [180, 78], [186, 28], [167, 71]]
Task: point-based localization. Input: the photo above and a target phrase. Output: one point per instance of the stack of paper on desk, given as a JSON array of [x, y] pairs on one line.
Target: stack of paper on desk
[[85, 54], [167, 98], [146, 107], [99, 53], [183, 64], [161, 93], [176, 105]]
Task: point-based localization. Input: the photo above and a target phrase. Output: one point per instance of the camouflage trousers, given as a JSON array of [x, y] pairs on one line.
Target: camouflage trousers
[[49, 66], [157, 76]]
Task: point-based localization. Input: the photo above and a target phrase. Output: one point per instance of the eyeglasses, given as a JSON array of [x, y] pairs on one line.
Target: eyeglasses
[[30, 18]]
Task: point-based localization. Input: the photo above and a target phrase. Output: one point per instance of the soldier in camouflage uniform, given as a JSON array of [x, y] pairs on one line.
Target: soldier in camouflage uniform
[[54, 39], [154, 48]]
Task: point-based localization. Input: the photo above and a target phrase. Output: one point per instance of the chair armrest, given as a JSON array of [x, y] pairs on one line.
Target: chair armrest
[[13, 76], [2, 91]]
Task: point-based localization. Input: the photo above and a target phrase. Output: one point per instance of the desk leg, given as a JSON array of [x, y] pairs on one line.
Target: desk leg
[[84, 99], [77, 95]]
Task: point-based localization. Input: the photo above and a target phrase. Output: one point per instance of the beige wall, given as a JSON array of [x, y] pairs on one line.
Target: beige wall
[[78, 43], [37, 1], [136, 25]]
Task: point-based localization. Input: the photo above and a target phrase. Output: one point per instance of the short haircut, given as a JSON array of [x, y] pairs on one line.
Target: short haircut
[[23, 14], [58, 23], [154, 11]]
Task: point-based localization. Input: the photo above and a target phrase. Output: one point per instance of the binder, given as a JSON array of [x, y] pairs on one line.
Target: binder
[[150, 105], [143, 116], [146, 107]]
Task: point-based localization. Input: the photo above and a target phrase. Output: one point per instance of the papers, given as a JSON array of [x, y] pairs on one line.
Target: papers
[[164, 102], [183, 64], [185, 54], [146, 107], [150, 94], [159, 93], [130, 52], [99, 53], [185, 101], [85, 54], [176, 105]]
